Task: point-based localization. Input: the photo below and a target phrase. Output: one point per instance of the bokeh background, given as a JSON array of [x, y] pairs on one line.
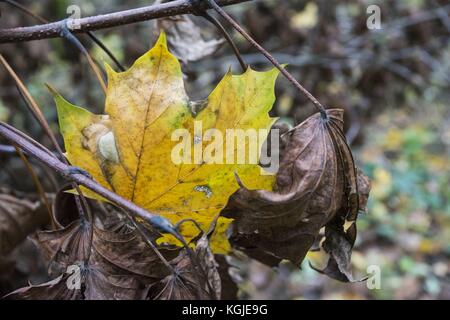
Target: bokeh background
[[393, 84]]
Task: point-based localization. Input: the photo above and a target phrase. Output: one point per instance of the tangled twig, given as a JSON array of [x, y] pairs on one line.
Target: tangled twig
[[51, 30]]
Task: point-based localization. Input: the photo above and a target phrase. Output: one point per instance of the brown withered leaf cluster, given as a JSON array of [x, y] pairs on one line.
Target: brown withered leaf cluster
[[317, 186], [118, 264]]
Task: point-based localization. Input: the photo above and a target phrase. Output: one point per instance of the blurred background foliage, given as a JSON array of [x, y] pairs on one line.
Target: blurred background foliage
[[393, 84]]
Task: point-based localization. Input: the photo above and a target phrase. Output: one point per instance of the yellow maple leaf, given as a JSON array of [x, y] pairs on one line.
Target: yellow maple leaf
[[130, 149]]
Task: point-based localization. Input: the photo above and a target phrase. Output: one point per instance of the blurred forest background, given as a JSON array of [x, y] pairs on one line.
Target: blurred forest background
[[393, 84]]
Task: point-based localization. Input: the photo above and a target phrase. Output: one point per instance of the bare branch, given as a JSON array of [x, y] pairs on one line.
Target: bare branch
[[51, 30]]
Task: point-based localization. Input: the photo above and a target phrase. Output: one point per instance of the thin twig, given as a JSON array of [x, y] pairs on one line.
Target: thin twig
[[89, 33], [106, 50], [181, 222], [148, 241], [80, 200], [51, 30], [68, 35], [31, 104], [25, 9], [227, 37], [288, 76], [38, 184]]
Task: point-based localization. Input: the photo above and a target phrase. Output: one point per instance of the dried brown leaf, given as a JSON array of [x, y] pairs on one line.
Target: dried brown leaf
[[317, 181], [121, 265], [129, 254], [66, 246], [97, 285], [194, 276], [208, 263], [186, 38], [229, 289], [185, 283], [340, 236], [100, 285], [18, 218], [55, 289]]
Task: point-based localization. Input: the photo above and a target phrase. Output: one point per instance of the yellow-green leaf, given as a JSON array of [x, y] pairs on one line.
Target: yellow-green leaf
[[130, 149]]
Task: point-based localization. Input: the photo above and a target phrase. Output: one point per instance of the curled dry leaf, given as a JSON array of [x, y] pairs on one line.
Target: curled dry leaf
[[100, 285], [316, 182], [66, 246], [207, 261], [338, 244], [97, 285], [55, 289], [229, 288], [186, 38], [129, 254], [182, 284], [194, 276], [340, 236], [186, 282]]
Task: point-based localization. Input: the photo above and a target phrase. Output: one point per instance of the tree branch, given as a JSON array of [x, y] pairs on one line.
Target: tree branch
[[51, 30]]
